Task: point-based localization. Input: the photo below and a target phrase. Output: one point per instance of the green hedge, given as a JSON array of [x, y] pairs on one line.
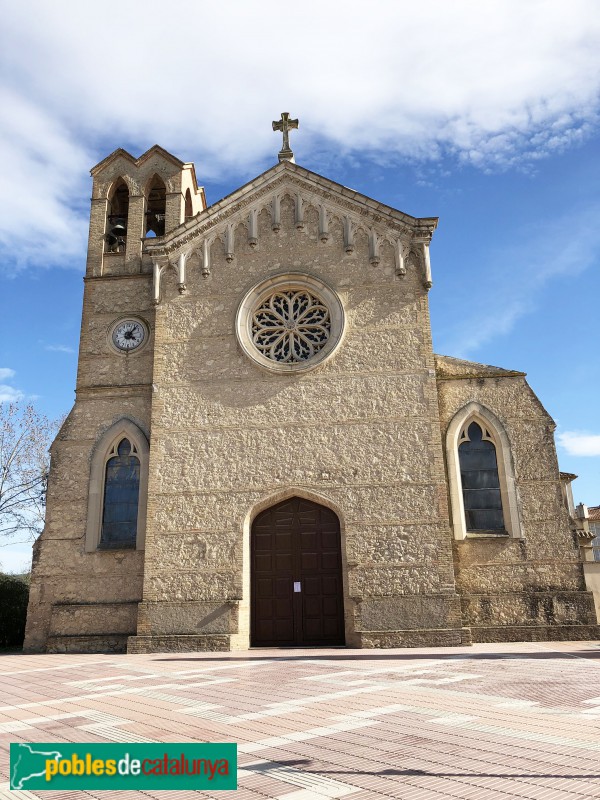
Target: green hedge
[[14, 594]]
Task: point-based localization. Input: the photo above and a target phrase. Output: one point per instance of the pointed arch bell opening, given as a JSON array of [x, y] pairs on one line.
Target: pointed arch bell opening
[[117, 218], [156, 207], [481, 475], [188, 209]]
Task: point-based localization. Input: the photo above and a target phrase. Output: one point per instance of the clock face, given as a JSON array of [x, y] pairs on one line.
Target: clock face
[[128, 335]]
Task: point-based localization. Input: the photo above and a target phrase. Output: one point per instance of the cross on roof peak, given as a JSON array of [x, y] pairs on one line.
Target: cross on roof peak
[[285, 125]]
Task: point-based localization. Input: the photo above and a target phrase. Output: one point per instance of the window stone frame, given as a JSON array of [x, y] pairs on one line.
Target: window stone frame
[[475, 412], [123, 429], [284, 282]]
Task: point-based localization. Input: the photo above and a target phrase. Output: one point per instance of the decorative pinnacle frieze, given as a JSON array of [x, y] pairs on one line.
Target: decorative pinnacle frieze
[[419, 233]]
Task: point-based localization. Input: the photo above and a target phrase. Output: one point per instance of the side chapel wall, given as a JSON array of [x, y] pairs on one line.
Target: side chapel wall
[[528, 586]]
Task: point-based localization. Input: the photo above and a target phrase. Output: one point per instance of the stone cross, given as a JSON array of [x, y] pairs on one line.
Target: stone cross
[[285, 125]]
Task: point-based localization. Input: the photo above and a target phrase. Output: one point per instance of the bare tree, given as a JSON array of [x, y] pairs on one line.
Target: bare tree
[[25, 437]]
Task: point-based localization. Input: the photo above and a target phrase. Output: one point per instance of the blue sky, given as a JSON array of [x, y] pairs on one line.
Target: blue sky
[[484, 114]]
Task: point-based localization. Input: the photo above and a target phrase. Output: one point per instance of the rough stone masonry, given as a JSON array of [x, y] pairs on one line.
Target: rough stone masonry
[[294, 456]]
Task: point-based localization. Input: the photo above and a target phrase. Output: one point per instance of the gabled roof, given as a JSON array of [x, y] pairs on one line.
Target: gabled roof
[[120, 153], [594, 512], [287, 174], [569, 477], [324, 183], [448, 368]]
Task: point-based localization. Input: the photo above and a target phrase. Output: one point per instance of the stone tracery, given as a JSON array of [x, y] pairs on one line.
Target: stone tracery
[[291, 326]]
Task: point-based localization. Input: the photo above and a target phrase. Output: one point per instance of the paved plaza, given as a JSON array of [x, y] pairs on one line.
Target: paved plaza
[[488, 721]]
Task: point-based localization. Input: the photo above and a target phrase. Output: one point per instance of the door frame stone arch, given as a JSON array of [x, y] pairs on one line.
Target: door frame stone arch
[[242, 640]]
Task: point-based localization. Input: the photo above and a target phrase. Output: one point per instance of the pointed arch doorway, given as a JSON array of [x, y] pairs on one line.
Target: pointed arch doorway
[[296, 576]]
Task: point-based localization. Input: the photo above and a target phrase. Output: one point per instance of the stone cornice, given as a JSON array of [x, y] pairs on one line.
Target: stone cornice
[[448, 368], [118, 391], [310, 185], [475, 376], [104, 278]]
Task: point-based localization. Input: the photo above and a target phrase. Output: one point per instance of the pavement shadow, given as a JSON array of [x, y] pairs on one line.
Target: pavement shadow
[[360, 655], [304, 763]]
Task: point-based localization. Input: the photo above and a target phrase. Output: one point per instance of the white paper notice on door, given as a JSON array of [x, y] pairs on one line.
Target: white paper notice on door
[[297, 586]]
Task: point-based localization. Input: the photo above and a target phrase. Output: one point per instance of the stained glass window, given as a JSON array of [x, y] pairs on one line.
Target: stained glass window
[[121, 495], [480, 482]]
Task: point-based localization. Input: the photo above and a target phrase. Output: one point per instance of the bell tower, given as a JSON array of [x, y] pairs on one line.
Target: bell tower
[[134, 199]]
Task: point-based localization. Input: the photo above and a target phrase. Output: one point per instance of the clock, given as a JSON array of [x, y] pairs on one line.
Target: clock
[[128, 335]]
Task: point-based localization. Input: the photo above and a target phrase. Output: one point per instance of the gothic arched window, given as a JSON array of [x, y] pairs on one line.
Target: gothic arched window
[[481, 475], [118, 489], [480, 481], [121, 497]]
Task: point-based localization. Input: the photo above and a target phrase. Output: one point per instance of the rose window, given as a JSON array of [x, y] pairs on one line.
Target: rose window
[[290, 323], [291, 326]]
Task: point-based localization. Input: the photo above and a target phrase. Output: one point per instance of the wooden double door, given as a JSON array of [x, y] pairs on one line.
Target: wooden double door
[[297, 590]]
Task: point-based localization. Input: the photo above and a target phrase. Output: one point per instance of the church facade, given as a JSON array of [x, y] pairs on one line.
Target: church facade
[[264, 449]]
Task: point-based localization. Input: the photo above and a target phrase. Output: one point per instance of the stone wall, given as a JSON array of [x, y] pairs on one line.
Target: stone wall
[[75, 593], [359, 434], [529, 586], [84, 601], [363, 433]]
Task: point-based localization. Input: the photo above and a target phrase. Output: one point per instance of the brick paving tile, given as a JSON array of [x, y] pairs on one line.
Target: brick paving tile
[[491, 721]]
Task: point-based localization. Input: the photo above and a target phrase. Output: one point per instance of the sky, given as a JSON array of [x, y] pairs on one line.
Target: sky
[[484, 114]]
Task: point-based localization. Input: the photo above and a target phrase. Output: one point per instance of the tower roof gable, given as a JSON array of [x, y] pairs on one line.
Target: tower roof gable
[[121, 153]]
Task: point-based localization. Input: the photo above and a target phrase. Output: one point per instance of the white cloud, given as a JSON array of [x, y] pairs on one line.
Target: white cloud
[[47, 171], [510, 285], [578, 443], [8, 394], [491, 83], [59, 348]]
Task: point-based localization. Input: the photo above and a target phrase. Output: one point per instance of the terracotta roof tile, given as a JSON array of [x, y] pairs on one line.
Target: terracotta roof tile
[[594, 513]]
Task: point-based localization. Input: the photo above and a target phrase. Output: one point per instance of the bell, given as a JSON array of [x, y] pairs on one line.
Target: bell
[[114, 240], [119, 228]]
